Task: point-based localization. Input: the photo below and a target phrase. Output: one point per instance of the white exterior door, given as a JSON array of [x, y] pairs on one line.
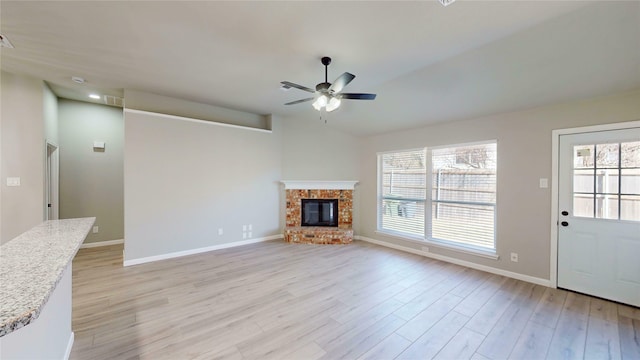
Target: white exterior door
[[599, 214]]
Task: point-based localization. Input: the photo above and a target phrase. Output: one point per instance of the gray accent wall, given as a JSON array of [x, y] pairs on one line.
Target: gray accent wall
[[91, 180], [21, 154], [185, 179], [50, 110], [313, 150], [524, 156]]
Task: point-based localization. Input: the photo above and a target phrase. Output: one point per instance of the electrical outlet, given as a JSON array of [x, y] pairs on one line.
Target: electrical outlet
[[96, 229], [220, 231], [249, 235], [514, 257], [250, 227]]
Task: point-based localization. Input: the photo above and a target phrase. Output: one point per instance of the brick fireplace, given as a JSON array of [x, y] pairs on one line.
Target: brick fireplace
[[296, 191]]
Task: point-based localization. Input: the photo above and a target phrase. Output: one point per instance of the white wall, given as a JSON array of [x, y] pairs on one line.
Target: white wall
[[92, 181], [184, 180], [22, 141], [524, 156]]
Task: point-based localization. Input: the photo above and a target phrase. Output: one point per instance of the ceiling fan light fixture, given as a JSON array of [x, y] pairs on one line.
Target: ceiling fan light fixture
[[333, 104], [320, 102], [446, 2]]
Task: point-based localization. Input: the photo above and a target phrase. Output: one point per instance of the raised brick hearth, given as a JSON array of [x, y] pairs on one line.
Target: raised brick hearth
[[295, 233]]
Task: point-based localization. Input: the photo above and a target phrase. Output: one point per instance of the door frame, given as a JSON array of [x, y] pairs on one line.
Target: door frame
[[555, 181], [51, 179]]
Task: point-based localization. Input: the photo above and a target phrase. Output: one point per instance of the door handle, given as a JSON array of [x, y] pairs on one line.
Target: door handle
[[564, 223]]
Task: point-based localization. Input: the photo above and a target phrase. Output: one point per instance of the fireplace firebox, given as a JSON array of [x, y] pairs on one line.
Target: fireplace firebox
[[320, 212]]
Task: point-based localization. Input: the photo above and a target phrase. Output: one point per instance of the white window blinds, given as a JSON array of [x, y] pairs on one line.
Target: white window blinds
[[463, 199], [402, 189], [461, 183]]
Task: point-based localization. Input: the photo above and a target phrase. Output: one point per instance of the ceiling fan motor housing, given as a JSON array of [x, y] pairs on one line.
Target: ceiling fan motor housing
[[323, 87]]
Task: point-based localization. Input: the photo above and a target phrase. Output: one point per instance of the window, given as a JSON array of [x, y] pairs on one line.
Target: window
[[606, 181], [402, 189], [461, 207], [463, 200]]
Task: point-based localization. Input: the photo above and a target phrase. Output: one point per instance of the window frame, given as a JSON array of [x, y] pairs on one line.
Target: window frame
[[380, 197], [427, 240], [429, 211]]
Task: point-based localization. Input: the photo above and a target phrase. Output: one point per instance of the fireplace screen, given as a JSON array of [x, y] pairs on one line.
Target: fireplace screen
[[320, 212]]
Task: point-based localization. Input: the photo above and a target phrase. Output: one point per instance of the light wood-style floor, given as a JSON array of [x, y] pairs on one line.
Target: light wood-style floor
[[284, 301]]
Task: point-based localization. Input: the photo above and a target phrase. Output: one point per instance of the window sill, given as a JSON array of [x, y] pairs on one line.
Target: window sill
[[488, 254]]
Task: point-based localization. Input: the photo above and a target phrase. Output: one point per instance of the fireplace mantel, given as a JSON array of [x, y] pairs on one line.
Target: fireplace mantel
[[319, 184]]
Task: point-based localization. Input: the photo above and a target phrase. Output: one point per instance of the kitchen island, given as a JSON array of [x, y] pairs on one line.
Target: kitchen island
[[35, 290]]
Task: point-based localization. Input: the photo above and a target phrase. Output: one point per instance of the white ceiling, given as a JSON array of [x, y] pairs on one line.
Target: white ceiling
[[427, 63]]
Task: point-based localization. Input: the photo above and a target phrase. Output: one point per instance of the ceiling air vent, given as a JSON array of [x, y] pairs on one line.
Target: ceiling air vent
[[113, 100], [4, 42]]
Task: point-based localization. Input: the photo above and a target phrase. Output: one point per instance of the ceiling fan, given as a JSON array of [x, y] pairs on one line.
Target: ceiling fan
[[328, 95]]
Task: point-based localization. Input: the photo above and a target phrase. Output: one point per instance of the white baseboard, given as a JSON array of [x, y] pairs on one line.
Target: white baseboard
[[199, 250], [101, 243], [67, 353], [489, 269]]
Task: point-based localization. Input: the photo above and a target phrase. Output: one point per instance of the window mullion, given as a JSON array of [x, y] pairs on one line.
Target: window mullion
[[428, 208], [619, 181]]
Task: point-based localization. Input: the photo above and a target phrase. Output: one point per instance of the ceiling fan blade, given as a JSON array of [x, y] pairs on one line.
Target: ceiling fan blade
[[341, 82], [299, 101], [290, 84], [357, 96]]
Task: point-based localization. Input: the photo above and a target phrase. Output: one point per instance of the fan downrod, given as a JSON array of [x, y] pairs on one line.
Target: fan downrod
[[324, 87]]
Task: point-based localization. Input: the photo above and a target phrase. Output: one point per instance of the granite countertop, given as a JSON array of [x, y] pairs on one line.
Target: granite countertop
[[31, 265]]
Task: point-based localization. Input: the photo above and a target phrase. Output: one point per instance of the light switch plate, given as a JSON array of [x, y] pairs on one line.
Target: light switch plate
[[544, 183], [13, 181]]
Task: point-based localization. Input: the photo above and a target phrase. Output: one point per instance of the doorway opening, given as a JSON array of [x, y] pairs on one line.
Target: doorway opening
[[51, 188]]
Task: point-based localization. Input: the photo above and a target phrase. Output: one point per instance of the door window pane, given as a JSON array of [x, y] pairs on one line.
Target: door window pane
[[607, 155], [583, 181], [630, 181], [607, 207], [630, 208], [631, 154], [583, 205], [607, 181], [583, 156]]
